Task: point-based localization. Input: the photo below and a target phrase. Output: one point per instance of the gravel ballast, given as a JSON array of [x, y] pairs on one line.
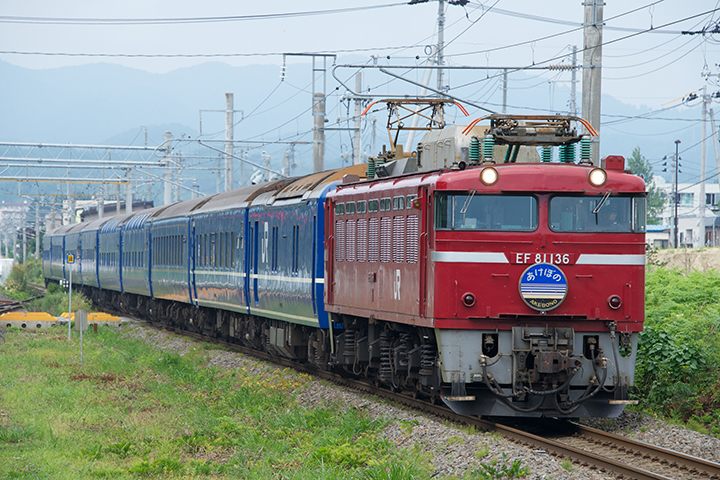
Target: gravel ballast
[[453, 451]]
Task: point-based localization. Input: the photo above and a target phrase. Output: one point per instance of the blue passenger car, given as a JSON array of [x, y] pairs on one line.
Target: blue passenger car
[[285, 251], [46, 256], [136, 253], [74, 246], [57, 252], [170, 239], [109, 255], [89, 239], [219, 232]]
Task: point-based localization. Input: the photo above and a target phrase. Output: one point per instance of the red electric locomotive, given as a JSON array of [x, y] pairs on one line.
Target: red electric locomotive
[[504, 284]]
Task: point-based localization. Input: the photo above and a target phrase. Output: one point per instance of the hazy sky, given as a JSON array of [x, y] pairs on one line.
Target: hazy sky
[[639, 68]]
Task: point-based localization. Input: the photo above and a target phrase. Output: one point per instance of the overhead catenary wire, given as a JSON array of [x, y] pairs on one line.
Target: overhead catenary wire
[[181, 20], [605, 43]]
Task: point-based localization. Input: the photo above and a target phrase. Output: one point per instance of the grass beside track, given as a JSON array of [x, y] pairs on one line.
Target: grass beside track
[[133, 410]]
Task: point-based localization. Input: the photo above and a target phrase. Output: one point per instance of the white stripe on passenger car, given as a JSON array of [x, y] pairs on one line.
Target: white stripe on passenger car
[[261, 276], [469, 257], [273, 313], [613, 259]]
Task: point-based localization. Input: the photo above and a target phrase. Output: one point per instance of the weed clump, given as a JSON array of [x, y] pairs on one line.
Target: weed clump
[[55, 301]]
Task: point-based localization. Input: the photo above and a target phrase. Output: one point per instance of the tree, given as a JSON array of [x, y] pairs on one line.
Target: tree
[[640, 166]]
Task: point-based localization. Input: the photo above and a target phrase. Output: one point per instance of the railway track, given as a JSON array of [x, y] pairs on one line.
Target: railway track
[[12, 305], [586, 446]]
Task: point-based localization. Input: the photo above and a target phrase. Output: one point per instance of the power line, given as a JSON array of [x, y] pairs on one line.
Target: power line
[[181, 20], [609, 42], [196, 55]]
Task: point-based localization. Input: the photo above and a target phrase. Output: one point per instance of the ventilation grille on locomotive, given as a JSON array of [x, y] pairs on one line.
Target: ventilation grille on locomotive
[[398, 253], [339, 241], [362, 239]]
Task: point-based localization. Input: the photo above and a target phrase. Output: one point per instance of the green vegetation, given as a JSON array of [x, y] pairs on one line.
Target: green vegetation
[[500, 469], [18, 284], [679, 350], [640, 166], [55, 301], [136, 411]]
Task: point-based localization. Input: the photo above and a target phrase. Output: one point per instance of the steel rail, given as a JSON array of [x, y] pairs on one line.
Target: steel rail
[[637, 448]]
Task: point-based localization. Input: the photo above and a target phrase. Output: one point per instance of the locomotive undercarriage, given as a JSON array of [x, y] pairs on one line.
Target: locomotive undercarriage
[[538, 371]]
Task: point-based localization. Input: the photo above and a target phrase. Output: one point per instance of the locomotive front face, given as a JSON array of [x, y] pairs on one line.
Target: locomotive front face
[[538, 291]]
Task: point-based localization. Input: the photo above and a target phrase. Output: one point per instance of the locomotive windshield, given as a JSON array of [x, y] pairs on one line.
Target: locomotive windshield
[[597, 214], [472, 211]]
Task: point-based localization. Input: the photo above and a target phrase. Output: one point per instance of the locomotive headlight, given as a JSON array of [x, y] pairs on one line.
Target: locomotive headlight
[[489, 176], [597, 177]]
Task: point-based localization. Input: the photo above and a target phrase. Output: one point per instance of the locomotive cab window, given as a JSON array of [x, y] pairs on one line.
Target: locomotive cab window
[[472, 211], [591, 214]]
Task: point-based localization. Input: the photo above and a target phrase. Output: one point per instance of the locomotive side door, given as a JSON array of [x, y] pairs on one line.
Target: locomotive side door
[[423, 247]]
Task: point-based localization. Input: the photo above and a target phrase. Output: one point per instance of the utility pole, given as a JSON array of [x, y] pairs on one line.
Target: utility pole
[[705, 100], [167, 176], [37, 229], [117, 210], [504, 90], [229, 137], [292, 160], [677, 165], [266, 173], [573, 82], [318, 103], [101, 198], [69, 198], [24, 233], [218, 183], [592, 69], [715, 144], [128, 191], [441, 43], [357, 142], [318, 132]]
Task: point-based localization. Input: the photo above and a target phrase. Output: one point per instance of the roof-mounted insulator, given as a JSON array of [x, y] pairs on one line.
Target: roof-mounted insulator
[[371, 168], [488, 149], [547, 154], [474, 151], [586, 150], [567, 153]]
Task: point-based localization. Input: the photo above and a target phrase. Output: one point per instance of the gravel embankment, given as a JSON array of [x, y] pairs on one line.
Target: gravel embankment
[[453, 451]]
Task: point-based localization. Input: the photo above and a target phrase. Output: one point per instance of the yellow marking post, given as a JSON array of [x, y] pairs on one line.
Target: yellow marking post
[[95, 317], [27, 317]]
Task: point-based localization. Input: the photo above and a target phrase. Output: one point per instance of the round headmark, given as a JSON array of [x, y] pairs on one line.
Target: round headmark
[[543, 286]]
